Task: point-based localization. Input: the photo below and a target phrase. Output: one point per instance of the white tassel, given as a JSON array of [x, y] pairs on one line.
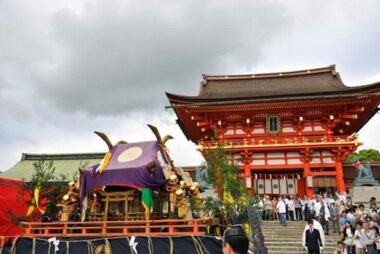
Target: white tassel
[[133, 244], [55, 243]]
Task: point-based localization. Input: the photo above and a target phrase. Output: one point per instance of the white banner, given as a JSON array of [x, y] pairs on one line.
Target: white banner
[[260, 186], [283, 189], [275, 186], [280, 185], [268, 186], [291, 186]]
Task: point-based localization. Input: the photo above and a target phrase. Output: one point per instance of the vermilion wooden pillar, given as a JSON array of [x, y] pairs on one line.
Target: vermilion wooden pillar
[[247, 170], [306, 173], [339, 176], [247, 175], [301, 188]]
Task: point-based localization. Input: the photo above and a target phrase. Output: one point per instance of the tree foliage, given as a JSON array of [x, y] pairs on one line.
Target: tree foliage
[[225, 177], [365, 155], [50, 189]]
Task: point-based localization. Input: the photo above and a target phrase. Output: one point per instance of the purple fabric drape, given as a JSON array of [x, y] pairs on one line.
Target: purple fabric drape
[[127, 167]]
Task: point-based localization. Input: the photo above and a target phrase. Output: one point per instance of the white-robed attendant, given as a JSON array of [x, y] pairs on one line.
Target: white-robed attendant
[[318, 226]]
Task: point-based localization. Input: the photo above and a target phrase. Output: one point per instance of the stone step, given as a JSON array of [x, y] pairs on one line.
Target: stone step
[[300, 225], [297, 248], [295, 238], [292, 252], [281, 239], [287, 226], [273, 237], [278, 223], [289, 233], [263, 223], [293, 234], [283, 229], [300, 248], [293, 243], [300, 230], [281, 226]]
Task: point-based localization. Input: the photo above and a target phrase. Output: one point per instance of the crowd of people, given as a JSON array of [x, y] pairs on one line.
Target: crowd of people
[[356, 224]]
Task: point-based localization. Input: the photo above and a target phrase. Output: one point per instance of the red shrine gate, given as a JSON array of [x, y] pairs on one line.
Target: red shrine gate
[[296, 127]]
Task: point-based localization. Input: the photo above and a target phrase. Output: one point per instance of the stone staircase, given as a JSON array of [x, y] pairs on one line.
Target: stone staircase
[[288, 240]]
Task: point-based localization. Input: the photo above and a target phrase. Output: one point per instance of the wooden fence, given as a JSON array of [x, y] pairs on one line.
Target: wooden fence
[[171, 227]]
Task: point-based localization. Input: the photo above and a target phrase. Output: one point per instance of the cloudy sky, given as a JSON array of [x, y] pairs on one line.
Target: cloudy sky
[[68, 68]]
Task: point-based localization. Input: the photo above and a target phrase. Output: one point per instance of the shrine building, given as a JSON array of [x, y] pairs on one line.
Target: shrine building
[[288, 132]]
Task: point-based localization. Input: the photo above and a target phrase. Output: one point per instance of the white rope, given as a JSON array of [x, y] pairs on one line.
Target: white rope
[[67, 247], [203, 246], [34, 246], [171, 245]]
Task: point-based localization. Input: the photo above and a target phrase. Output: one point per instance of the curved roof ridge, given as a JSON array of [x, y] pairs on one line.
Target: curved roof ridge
[[326, 69], [317, 81]]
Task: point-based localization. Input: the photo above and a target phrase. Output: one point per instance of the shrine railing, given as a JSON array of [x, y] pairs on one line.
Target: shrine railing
[[171, 227], [281, 140]]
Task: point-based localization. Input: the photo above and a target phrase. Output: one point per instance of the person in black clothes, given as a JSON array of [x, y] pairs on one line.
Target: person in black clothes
[[235, 241], [313, 243]]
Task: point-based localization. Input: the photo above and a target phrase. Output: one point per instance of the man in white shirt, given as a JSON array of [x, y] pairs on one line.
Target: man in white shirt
[[361, 212], [281, 207], [286, 200], [317, 207], [342, 196], [291, 208], [324, 216], [327, 199], [369, 239], [358, 236]]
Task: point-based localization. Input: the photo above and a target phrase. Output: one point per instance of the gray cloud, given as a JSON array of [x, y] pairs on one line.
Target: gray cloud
[[119, 56], [323, 33], [68, 68]]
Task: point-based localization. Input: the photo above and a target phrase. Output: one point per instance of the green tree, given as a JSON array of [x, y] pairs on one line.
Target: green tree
[[365, 155], [50, 188], [225, 177]]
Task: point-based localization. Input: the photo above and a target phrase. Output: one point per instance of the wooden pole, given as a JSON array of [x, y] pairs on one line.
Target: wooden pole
[[339, 176], [306, 173]]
